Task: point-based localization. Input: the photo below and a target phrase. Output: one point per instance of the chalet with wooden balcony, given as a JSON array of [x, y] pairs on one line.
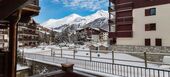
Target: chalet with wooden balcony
[[44, 34], [93, 34], [27, 35]]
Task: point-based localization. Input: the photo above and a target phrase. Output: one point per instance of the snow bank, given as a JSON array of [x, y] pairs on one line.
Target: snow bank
[[20, 67]]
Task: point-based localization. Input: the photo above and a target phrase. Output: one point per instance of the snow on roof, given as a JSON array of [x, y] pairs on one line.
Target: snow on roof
[[100, 44], [20, 67], [57, 30], [44, 32], [96, 29], [71, 44], [80, 28]]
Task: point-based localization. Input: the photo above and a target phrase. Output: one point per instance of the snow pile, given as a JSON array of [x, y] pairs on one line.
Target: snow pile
[[166, 59], [20, 67]]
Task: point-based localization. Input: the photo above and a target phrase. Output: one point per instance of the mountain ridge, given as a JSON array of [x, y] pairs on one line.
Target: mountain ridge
[[77, 21]]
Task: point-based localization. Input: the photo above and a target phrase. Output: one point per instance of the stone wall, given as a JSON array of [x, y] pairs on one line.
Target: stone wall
[[152, 49], [131, 48], [37, 67]]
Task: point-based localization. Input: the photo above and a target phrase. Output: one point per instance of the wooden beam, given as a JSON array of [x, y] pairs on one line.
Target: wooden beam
[[13, 30], [8, 7]]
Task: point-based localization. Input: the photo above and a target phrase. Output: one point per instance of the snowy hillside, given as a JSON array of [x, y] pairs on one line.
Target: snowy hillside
[[99, 18]]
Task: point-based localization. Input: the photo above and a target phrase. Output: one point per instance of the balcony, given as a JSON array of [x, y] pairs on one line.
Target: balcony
[[112, 35], [29, 32], [124, 20], [3, 40], [31, 9], [28, 39], [124, 6], [3, 32], [124, 34]]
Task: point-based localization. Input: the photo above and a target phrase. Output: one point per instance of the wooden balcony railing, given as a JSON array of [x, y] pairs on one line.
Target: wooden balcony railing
[[124, 34], [32, 9], [28, 32], [124, 6], [3, 32], [112, 35], [124, 20], [3, 40], [27, 39]]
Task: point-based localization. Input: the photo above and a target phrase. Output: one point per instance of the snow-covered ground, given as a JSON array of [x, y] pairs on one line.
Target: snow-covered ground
[[21, 67], [44, 54], [104, 57]]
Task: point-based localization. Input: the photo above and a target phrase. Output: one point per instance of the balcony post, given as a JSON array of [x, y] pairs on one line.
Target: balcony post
[[74, 54], [113, 57], [145, 57], [90, 55], [61, 52], [13, 44]]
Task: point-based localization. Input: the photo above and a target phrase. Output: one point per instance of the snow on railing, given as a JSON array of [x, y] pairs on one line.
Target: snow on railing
[[101, 64], [110, 68]]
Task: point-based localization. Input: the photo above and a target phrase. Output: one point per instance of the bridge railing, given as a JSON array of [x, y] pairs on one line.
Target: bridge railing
[[148, 57], [89, 62]]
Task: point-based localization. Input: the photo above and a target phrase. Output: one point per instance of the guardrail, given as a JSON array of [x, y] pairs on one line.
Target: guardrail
[[145, 55], [110, 68]]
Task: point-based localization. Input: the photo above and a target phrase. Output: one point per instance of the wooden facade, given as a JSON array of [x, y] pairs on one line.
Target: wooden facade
[[27, 35]]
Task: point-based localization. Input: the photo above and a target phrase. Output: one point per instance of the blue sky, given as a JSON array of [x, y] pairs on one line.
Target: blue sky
[[56, 9]]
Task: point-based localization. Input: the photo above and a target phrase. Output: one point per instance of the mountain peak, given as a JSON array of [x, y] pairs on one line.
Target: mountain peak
[[74, 15], [75, 19], [102, 11]]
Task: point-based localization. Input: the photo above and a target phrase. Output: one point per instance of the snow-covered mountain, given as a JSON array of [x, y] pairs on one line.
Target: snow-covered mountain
[[97, 19]]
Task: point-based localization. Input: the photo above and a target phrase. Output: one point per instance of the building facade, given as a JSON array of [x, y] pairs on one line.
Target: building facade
[[142, 22], [93, 34], [3, 37], [27, 34], [44, 34]]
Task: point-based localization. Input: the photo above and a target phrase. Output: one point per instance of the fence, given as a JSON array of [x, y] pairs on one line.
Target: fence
[[105, 67], [146, 55]]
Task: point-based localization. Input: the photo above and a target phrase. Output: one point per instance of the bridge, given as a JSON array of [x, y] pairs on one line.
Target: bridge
[[99, 67]]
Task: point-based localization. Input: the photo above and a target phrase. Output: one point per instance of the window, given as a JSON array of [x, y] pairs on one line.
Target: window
[[1, 45], [150, 27], [158, 42], [150, 12], [147, 42]]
